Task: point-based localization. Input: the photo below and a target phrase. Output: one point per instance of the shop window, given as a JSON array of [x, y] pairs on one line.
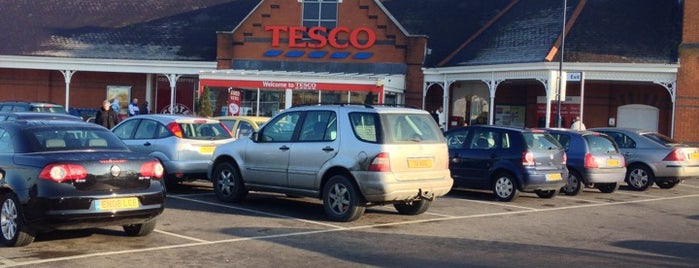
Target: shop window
[[320, 13]]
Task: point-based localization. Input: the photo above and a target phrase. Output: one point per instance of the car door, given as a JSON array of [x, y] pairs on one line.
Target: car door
[[317, 143], [479, 156], [267, 159]]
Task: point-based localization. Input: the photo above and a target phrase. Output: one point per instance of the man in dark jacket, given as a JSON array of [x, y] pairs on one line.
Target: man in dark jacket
[[105, 116]]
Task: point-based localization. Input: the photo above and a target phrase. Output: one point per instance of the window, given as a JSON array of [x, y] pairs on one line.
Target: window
[[364, 126], [320, 13], [318, 127], [6, 145], [282, 128], [484, 139]]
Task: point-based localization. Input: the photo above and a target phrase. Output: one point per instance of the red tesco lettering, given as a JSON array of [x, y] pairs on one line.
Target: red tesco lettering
[[359, 38]]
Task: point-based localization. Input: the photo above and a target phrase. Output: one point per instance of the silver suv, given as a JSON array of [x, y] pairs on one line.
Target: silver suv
[[349, 156]]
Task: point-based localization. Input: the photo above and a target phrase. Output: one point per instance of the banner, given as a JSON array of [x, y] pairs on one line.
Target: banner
[[233, 102]]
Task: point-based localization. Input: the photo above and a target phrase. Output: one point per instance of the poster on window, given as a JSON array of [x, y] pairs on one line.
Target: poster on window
[[506, 115], [233, 102]]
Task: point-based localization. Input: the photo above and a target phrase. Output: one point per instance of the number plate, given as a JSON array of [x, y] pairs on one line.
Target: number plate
[[207, 149], [554, 177], [612, 162], [694, 156], [419, 162], [116, 203]]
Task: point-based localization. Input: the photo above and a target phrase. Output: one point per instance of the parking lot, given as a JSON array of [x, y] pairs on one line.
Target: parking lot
[[655, 228]]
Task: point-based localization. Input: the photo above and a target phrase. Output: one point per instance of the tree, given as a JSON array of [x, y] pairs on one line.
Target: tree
[[204, 103]]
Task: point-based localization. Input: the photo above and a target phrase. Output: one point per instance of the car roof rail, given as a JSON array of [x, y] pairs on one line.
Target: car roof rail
[[370, 106]]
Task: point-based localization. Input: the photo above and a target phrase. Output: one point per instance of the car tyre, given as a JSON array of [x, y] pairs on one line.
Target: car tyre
[[639, 177], [341, 200], [547, 193], [608, 188], [15, 233], [416, 207], [505, 187], [142, 229], [228, 184], [574, 185], [667, 184]]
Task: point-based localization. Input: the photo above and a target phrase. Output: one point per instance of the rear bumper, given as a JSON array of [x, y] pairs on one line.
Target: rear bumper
[[605, 176], [533, 181], [668, 171], [187, 168], [378, 187]]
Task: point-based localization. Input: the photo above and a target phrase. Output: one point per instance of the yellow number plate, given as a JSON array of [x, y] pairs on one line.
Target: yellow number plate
[[207, 149], [420, 163], [553, 177], [116, 203], [693, 156], [612, 162]]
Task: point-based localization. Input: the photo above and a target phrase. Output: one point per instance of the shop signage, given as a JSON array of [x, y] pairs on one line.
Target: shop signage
[[233, 102], [290, 85], [322, 37]]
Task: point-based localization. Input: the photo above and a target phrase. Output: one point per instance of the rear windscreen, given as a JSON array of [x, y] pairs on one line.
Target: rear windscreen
[[660, 138], [75, 138], [540, 141], [204, 131], [600, 144]]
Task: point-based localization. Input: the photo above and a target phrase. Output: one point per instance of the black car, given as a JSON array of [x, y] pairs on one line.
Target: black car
[[506, 160], [7, 116], [594, 160], [61, 175], [27, 106]]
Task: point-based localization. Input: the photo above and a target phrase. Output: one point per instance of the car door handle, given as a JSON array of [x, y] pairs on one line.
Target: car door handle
[[146, 144], [328, 149], [284, 148]]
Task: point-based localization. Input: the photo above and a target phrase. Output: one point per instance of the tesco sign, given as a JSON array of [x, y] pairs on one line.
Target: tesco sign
[[318, 34]]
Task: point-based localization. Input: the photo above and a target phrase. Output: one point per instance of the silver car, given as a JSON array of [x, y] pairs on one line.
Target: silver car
[[654, 158], [349, 156], [184, 144]]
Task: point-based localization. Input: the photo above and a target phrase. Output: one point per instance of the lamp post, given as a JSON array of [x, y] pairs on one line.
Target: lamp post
[[560, 66]]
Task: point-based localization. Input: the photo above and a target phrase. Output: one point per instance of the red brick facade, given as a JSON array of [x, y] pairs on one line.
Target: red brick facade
[[687, 105]]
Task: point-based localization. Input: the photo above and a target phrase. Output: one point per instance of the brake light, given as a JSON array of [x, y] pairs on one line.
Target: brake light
[[565, 158], [200, 121], [63, 172], [590, 161], [675, 155], [528, 159], [175, 129], [152, 169], [381, 163]]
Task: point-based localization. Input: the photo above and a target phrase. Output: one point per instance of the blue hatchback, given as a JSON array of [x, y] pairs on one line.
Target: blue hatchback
[[506, 160]]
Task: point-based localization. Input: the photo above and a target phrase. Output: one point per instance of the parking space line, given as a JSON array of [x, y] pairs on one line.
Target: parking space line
[[580, 199], [8, 262], [637, 194], [689, 185], [500, 204], [259, 212], [339, 229], [180, 236]]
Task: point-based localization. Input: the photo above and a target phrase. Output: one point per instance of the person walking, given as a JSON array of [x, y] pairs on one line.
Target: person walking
[[144, 108], [577, 124], [133, 107], [105, 116]]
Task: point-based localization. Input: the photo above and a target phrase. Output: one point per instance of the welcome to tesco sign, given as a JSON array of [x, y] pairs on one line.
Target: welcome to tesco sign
[[318, 35]]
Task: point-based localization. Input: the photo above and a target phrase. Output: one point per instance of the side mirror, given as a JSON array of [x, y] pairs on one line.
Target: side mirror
[[255, 137]]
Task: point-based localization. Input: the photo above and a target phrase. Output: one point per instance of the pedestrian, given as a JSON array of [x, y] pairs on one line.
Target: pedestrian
[[144, 108], [105, 116], [133, 107], [441, 118], [115, 105], [577, 124]]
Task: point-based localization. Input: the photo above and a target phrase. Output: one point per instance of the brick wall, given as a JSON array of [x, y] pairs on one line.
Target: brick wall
[[687, 104]]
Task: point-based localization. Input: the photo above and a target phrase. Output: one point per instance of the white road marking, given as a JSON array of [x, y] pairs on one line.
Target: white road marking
[[337, 229], [181, 236], [637, 194], [502, 204], [582, 200], [688, 185]]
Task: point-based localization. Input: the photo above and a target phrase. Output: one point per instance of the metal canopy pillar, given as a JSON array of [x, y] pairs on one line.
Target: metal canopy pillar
[[67, 75], [172, 78], [492, 89], [671, 87]]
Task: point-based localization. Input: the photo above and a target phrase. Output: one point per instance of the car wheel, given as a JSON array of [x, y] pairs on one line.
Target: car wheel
[[413, 208], [667, 184], [608, 187], [639, 177], [341, 200], [14, 231], [505, 188], [142, 229], [228, 185], [547, 193], [574, 184]]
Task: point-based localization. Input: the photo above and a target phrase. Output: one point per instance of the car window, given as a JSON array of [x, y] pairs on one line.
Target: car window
[[6, 145], [6, 108], [540, 141], [622, 140], [457, 138], [245, 129], [408, 128], [563, 139], [282, 128], [125, 130], [484, 139], [72, 138], [600, 144], [364, 126], [146, 130], [20, 108], [317, 126], [229, 123], [660, 138], [204, 130]]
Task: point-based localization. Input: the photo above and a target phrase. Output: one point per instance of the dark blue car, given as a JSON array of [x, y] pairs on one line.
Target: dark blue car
[[506, 160]]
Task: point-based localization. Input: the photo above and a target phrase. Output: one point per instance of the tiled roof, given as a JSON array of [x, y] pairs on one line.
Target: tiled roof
[[130, 29]]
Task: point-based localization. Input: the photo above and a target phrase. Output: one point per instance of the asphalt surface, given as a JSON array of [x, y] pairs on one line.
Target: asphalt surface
[[655, 228]]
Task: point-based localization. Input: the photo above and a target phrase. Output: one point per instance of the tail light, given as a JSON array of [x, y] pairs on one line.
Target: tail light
[[590, 161], [675, 155], [528, 159], [152, 169], [565, 158], [381, 163], [175, 129], [63, 172]]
